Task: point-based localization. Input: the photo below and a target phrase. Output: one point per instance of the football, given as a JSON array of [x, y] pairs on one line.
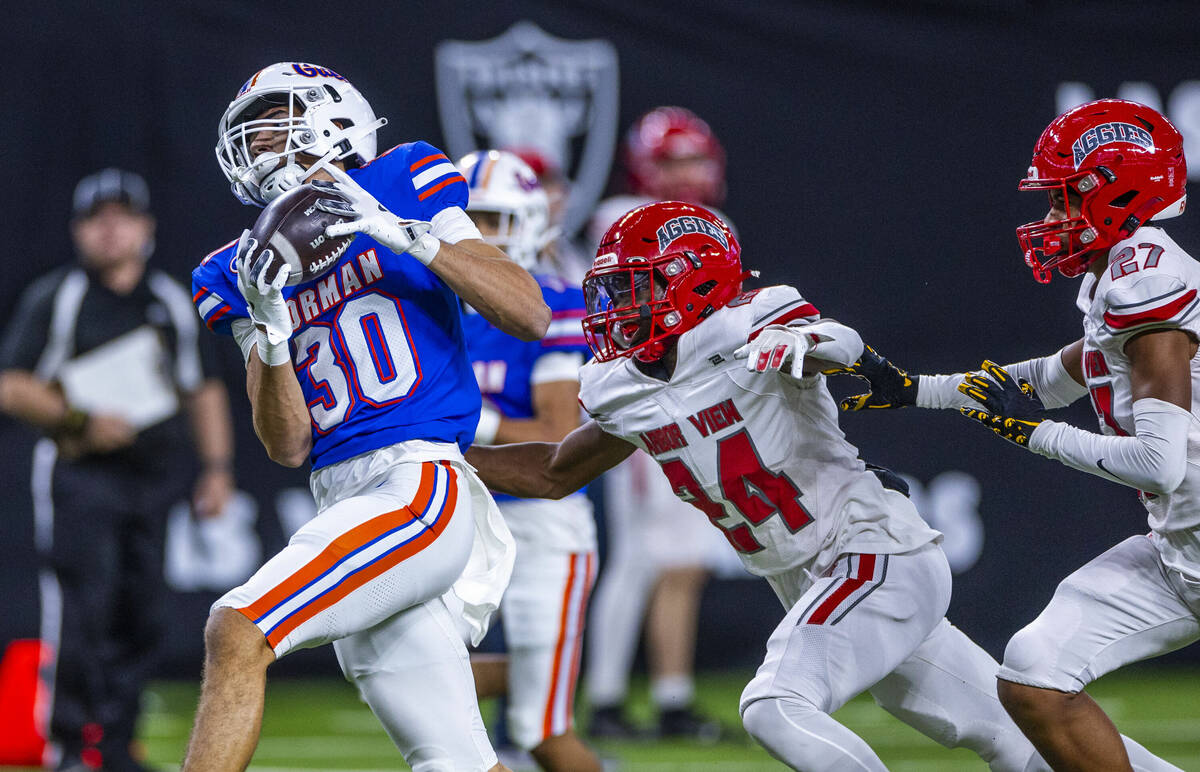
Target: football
[[293, 228]]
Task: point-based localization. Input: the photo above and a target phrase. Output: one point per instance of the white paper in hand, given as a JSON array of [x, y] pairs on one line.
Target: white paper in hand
[[127, 377]]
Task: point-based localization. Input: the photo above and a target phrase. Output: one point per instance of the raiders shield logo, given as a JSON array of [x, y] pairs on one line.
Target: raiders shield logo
[[530, 89]]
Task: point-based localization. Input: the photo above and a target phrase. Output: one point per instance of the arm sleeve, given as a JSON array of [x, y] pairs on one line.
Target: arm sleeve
[[29, 330], [453, 225], [435, 182], [1154, 459], [1048, 375], [215, 294], [832, 341]]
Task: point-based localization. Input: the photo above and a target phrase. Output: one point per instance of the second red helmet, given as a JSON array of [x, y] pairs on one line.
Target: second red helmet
[[1122, 161]]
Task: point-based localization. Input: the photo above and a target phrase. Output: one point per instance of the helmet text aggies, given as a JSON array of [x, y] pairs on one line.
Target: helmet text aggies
[[659, 271], [327, 119], [1122, 161]]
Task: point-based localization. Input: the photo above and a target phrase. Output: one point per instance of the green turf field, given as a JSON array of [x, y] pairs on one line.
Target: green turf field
[[320, 725]]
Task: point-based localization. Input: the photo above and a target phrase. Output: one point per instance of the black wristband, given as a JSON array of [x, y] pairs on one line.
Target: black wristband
[[72, 425]]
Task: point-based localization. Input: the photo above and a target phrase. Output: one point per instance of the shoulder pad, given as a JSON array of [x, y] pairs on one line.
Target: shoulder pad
[[779, 304]]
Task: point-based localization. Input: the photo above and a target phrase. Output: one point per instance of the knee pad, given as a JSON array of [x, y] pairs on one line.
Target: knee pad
[[762, 718], [1032, 657]]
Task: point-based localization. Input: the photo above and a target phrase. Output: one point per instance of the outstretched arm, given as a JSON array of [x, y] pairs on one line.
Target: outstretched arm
[[1056, 378], [1153, 458], [549, 470]]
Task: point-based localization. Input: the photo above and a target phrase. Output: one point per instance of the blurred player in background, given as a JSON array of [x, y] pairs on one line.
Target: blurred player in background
[[563, 256], [531, 393], [1112, 169], [668, 154], [365, 373], [724, 389], [108, 470]]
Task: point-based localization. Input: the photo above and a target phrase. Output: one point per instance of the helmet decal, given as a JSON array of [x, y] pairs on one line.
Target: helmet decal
[[1106, 134], [678, 226]]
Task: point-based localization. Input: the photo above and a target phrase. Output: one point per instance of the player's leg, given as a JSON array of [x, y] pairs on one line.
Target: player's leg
[[671, 623], [232, 689], [413, 671], [140, 605], [620, 600], [1121, 607], [490, 673], [544, 611], [946, 691], [354, 565], [847, 631], [74, 517]]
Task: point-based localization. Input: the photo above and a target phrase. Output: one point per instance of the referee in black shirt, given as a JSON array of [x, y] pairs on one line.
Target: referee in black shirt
[[105, 358]]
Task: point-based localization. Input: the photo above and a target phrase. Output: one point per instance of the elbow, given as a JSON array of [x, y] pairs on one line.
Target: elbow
[[290, 452], [533, 322], [557, 489], [291, 458], [1167, 478], [838, 343]]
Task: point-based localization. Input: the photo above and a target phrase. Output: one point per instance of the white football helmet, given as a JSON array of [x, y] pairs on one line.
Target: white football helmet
[[329, 120], [501, 182]]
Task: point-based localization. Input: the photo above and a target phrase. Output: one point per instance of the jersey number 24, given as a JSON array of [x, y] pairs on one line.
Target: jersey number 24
[[755, 491]]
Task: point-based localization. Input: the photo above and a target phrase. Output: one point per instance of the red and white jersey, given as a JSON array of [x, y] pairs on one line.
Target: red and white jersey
[[1150, 284], [760, 453]]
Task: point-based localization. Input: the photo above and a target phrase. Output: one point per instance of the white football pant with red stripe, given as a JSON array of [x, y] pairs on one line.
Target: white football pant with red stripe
[[877, 623], [368, 573]]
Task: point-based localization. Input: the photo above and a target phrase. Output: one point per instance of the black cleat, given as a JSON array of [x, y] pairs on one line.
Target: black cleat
[[686, 723], [610, 723]]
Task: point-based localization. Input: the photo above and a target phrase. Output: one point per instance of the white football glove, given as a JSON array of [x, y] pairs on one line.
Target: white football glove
[[374, 220], [775, 348], [264, 300]]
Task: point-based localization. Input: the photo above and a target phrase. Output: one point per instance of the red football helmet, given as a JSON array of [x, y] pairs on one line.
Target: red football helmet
[[659, 143], [659, 271], [1125, 163]]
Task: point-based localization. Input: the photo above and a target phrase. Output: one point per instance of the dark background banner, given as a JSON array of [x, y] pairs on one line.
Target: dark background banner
[[874, 152]]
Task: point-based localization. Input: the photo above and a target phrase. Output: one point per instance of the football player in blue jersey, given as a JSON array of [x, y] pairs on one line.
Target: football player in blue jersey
[[364, 372], [531, 393]]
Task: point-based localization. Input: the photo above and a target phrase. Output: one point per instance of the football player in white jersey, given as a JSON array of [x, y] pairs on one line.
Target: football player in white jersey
[[531, 390], [724, 389], [1112, 169], [668, 154]]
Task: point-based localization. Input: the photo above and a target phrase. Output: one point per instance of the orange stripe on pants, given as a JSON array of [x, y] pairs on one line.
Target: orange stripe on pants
[[564, 619], [356, 580]]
